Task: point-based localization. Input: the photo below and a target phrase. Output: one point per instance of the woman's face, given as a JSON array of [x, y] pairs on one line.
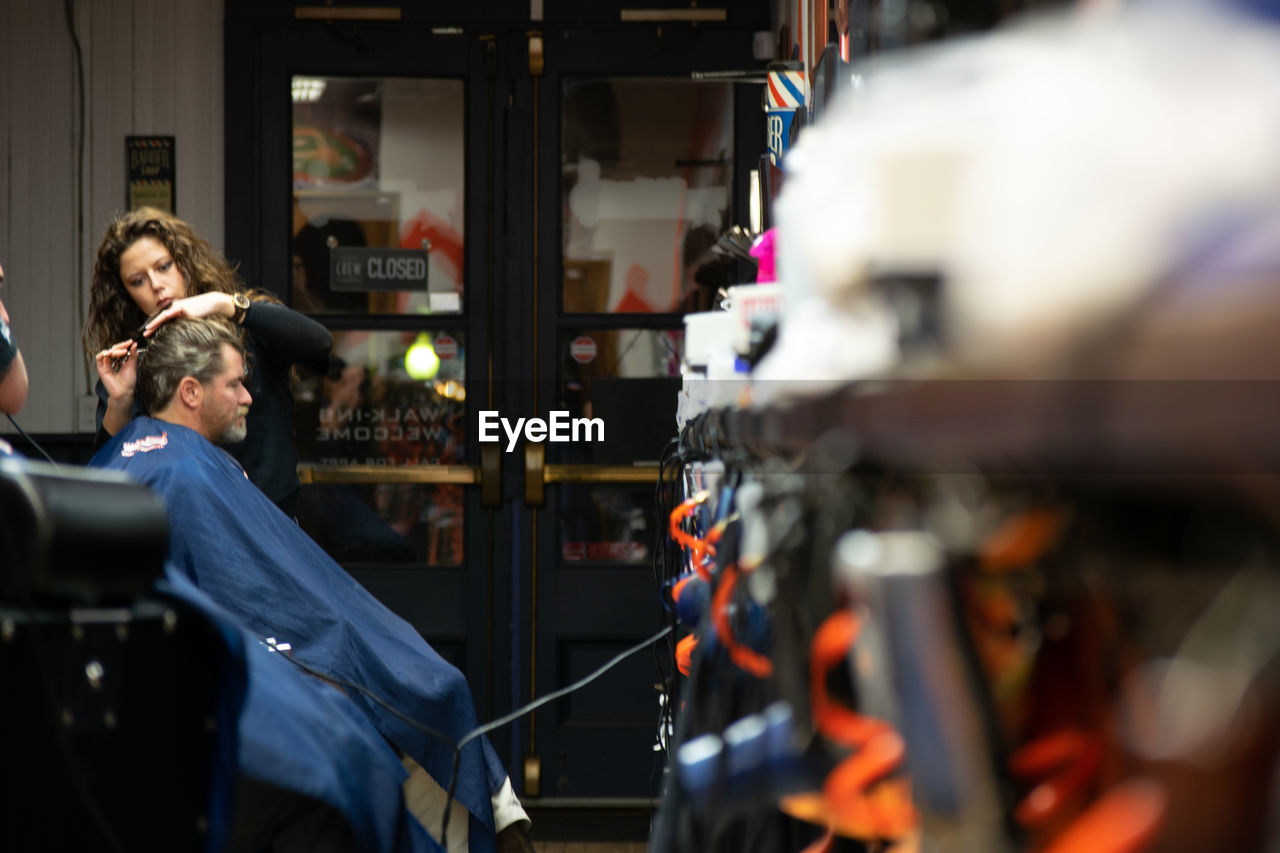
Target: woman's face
[[150, 275]]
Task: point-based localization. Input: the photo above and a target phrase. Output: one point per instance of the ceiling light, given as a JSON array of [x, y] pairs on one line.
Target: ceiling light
[[307, 90]]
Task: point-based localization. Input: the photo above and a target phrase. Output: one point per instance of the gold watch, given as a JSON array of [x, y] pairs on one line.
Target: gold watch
[[242, 306]]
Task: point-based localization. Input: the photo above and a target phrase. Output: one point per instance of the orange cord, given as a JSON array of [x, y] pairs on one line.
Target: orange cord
[[746, 658], [880, 749], [679, 514], [1066, 761], [1125, 820], [699, 549], [1069, 758], [1022, 539], [684, 654]]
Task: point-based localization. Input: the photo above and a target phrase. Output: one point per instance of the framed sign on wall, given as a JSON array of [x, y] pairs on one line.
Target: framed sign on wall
[[149, 172]]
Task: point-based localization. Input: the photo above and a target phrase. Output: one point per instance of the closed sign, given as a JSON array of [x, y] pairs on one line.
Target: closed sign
[[361, 269]]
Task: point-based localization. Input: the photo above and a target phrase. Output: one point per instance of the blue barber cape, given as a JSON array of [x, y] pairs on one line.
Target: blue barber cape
[[253, 561], [302, 735]]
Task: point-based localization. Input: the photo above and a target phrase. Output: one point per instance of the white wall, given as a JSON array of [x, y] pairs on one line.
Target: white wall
[[151, 67]]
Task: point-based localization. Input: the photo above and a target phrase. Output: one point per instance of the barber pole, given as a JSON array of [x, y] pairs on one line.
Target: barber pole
[[787, 91]]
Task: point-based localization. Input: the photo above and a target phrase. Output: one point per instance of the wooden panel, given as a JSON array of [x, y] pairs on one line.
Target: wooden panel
[[41, 205], [198, 120], [151, 67], [6, 109], [108, 64], [52, 404], [147, 63], [64, 307], [191, 164], [86, 236], [164, 91]]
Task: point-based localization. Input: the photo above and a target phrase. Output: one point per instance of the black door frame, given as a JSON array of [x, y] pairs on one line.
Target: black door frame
[[264, 50], [561, 610], [464, 605]]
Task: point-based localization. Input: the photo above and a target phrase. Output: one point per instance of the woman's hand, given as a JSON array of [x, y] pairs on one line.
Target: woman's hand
[[118, 369], [212, 304]]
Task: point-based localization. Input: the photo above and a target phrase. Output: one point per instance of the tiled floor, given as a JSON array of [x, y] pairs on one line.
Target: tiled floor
[[589, 847]]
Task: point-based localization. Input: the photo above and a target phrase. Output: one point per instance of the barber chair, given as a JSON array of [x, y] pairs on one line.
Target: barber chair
[[117, 723]]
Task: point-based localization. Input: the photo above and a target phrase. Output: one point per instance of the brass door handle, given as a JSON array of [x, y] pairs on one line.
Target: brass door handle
[[600, 474], [346, 13], [464, 475], [537, 473], [663, 16], [488, 475], [535, 464]]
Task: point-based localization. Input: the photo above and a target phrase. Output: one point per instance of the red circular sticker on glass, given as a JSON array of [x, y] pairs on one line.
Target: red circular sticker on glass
[[446, 347], [583, 349]]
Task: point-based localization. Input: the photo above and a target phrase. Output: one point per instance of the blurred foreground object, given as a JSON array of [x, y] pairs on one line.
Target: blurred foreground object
[[1018, 449], [1051, 176], [116, 730]]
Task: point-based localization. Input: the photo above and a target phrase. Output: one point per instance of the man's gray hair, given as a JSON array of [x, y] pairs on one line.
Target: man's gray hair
[[179, 348]]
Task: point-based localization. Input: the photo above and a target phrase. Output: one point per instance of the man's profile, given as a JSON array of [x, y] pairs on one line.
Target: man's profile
[[196, 379]]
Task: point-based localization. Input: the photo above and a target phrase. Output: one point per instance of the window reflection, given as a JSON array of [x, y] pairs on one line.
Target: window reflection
[[378, 164], [606, 524], [627, 378], [387, 523], [390, 399], [647, 167]]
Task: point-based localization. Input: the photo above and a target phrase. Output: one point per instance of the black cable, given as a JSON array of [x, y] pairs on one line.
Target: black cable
[[479, 730], [563, 691], [69, 8], [341, 682], [533, 706], [31, 441], [663, 560]]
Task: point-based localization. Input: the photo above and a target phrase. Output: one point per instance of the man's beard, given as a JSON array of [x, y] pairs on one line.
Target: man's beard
[[237, 429]]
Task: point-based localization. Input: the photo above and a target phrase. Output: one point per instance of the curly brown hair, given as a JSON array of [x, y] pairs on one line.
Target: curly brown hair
[[113, 315]]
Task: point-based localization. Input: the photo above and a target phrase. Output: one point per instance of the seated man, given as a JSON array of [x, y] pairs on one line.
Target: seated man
[[255, 563], [311, 774]]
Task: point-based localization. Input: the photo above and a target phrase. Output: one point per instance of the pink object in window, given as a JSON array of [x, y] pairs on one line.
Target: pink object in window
[[762, 249]]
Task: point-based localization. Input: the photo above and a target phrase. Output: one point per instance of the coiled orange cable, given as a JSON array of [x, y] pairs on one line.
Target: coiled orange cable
[[743, 656], [880, 749], [699, 549]]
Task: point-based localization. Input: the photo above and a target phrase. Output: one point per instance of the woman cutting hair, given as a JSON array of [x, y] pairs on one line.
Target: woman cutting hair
[[152, 263]]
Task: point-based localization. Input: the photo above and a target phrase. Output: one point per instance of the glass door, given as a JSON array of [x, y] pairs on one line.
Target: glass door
[[497, 222], [641, 168], [367, 158]]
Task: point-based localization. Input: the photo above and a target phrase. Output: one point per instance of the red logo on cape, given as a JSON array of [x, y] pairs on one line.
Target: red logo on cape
[[146, 444]]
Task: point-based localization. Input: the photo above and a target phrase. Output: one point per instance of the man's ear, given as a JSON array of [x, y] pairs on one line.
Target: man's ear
[[190, 392]]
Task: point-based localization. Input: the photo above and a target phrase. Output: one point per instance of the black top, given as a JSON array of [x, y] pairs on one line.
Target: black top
[[8, 349], [277, 338]]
